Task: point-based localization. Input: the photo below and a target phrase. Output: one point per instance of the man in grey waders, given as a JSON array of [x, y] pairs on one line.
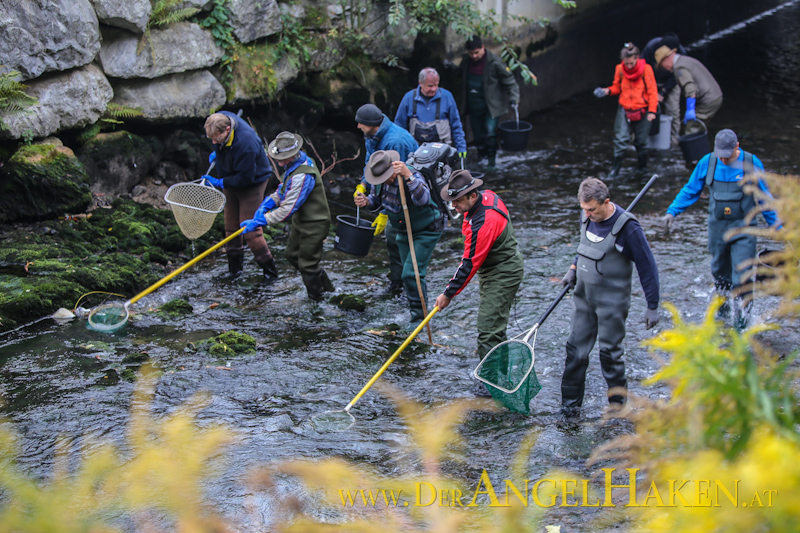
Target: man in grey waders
[[722, 171], [612, 241]]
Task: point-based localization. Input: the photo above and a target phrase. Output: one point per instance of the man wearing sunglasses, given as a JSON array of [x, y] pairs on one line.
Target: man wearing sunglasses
[[490, 251]]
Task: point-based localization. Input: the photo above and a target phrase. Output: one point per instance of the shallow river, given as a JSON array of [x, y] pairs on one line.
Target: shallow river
[[62, 380]]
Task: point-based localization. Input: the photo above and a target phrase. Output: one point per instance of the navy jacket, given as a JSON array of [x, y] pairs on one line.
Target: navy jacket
[[242, 161]]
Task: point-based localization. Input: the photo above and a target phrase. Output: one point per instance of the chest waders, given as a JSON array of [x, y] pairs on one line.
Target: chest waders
[[727, 206], [310, 226], [601, 301], [435, 131]]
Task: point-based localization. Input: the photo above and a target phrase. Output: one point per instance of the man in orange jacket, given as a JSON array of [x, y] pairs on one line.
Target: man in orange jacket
[[635, 84]]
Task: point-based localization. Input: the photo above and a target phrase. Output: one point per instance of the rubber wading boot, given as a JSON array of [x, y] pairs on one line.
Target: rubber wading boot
[[270, 269], [314, 286], [235, 262], [327, 284], [616, 165], [642, 160], [491, 163]]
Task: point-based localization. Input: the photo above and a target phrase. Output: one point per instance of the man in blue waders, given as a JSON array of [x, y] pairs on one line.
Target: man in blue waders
[[722, 171], [612, 241], [386, 174], [380, 133]]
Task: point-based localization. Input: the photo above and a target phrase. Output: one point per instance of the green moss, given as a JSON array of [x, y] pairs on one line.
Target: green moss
[[176, 308], [229, 344], [138, 358], [349, 301]]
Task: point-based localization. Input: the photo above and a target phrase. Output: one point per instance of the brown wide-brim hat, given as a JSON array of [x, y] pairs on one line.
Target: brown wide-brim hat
[[461, 182], [664, 52], [285, 146], [379, 167]]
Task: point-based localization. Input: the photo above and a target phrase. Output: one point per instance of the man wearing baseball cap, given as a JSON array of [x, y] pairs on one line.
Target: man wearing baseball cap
[[386, 173], [722, 171], [380, 133], [490, 251]]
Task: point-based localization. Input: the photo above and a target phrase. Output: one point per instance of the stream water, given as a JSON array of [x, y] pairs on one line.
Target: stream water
[[62, 380]]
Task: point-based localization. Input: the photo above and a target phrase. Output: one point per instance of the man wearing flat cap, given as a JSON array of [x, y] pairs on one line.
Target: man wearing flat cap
[[386, 173], [380, 133], [301, 199], [490, 251], [701, 90], [723, 171]]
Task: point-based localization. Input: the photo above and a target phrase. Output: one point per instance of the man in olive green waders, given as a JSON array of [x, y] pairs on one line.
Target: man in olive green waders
[[301, 198], [386, 173], [490, 250], [612, 241]]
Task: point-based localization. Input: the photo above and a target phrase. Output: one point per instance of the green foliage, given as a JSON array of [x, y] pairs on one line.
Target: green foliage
[[218, 21], [253, 69], [13, 99], [109, 119]]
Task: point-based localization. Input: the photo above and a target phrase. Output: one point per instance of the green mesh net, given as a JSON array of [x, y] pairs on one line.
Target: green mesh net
[[108, 317], [509, 375]]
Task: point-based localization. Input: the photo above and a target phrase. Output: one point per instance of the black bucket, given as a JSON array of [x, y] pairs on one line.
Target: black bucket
[[514, 135], [352, 238], [694, 145]]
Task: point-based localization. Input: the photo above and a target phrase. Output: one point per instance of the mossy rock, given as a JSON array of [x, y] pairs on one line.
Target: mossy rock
[[42, 181], [115, 162], [176, 308], [349, 301], [137, 358], [230, 343]]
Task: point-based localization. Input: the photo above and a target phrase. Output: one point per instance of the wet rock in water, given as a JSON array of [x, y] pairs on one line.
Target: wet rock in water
[[349, 301], [277, 423], [135, 358], [229, 344], [63, 314], [176, 308]]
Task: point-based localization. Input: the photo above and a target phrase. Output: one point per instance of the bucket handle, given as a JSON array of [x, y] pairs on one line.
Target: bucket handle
[[705, 128]]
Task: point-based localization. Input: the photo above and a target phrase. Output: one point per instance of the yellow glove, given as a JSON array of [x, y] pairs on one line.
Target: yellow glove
[[360, 189], [380, 223]]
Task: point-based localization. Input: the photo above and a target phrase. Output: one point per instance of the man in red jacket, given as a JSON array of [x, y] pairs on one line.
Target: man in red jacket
[[490, 250]]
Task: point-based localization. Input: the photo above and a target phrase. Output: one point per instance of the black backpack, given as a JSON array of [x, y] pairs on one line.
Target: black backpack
[[436, 161]]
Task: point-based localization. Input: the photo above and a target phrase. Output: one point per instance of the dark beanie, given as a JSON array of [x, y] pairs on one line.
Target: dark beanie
[[369, 115]]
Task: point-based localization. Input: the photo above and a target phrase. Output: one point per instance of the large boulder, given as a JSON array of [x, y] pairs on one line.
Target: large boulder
[[116, 162], [285, 72], [47, 35], [131, 15], [187, 95], [254, 20], [180, 47], [71, 99], [42, 181]]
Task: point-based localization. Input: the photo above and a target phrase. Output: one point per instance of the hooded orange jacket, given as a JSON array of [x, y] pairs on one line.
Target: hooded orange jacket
[[638, 93]]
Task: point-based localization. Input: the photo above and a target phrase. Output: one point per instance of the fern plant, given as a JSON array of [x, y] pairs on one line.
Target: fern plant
[[110, 119], [163, 13], [13, 99]]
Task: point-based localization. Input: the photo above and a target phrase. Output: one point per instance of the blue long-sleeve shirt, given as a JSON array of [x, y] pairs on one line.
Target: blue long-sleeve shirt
[[390, 194], [426, 112], [291, 195], [690, 192]]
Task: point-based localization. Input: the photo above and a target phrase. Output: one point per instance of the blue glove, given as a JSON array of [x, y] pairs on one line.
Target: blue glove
[[212, 157], [690, 114], [215, 182], [599, 92], [259, 219]]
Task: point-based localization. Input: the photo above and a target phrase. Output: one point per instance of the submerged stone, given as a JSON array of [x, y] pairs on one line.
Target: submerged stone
[[177, 307], [230, 343], [349, 301]]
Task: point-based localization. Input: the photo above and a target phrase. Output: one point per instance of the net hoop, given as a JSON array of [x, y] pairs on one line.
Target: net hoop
[[195, 205], [101, 309], [528, 346], [316, 421]]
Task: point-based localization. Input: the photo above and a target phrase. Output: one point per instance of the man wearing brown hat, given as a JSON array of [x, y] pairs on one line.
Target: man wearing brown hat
[[301, 198], [490, 250], [386, 174], [380, 133], [701, 90]]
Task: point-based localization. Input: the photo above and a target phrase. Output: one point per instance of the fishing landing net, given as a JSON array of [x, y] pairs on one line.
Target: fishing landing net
[[509, 375], [195, 206]]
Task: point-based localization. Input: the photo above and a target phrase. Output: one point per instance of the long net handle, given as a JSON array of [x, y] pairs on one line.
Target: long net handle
[[391, 359], [174, 273], [642, 192], [546, 314], [401, 186]]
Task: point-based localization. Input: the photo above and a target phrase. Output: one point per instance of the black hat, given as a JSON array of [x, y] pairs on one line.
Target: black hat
[[369, 115], [461, 182]]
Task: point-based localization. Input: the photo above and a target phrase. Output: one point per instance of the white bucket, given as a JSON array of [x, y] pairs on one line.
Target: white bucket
[[661, 140]]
